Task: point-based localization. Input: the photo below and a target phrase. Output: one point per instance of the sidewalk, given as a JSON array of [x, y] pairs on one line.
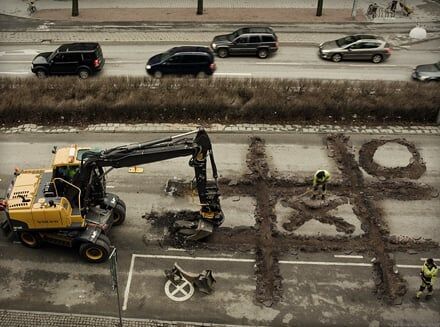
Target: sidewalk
[[16, 318], [239, 11]]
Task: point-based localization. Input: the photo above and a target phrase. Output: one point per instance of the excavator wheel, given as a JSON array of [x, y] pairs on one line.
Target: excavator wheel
[[30, 240], [118, 214], [95, 252]]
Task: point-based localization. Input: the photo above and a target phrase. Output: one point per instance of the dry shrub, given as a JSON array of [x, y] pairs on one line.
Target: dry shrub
[[71, 101]]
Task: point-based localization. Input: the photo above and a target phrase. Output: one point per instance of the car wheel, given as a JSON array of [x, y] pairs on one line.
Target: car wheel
[[201, 75], [336, 57], [263, 53], [83, 73], [223, 53], [158, 74], [41, 73], [377, 58]]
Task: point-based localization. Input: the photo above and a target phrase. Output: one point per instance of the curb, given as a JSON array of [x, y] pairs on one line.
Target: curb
[[23, 318], [220, 128]]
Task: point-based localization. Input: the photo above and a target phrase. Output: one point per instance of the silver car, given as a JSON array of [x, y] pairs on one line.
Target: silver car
[[356, 47], [426, 73]]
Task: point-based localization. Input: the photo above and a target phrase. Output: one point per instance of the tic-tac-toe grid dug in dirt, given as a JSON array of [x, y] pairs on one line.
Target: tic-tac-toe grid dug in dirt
[[354, 215]]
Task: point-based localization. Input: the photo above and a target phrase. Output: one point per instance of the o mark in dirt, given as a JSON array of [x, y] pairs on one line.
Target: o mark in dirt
[[414, 170]]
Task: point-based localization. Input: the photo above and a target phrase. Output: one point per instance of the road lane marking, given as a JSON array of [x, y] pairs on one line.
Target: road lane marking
[[408, 266], [15, 73], [326, 263], [243, 260], [174, 249], [127, 287], [326, 65], [161, 256], [233, 74], [348, 256], [424, 259], [24, 52], [15, 61]]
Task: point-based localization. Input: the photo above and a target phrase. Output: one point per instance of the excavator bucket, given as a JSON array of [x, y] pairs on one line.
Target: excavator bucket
[[205, 282], [194, 230]]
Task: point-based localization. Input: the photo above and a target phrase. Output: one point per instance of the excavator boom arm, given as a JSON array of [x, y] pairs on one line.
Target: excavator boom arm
[[199, 148]]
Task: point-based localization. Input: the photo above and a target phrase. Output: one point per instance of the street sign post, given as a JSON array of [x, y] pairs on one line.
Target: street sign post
[[113, 258]]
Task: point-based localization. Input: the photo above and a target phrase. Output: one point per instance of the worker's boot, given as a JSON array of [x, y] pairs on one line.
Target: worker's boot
[[419, 294]]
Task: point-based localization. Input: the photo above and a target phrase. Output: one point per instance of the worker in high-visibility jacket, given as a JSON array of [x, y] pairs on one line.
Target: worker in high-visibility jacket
[[428, 274], [320, 179]]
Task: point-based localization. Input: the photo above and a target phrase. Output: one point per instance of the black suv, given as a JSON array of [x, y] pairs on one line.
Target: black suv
[[184, 60], [260, 41], [83, 59]]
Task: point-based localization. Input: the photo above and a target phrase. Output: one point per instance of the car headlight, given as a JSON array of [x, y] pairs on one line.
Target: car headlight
[[148, 67], [214, 45]]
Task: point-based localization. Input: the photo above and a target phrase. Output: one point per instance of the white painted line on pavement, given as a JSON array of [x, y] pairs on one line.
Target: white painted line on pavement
[[323, 64], [15, 61], [111, 186], [244, 260], [326, 263], [127, 287], [160, 256], [233, 74], [174, 249], [424, 259], [20, 52], [15, 73], [348, 256], [408, 266], [108, 61]]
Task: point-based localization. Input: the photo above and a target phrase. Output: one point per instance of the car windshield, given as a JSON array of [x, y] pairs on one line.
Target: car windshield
[[165, 55], [233, 36], [346, 40], [52, 55]]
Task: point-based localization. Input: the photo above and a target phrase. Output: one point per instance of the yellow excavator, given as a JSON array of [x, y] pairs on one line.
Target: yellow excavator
[[69, 205]]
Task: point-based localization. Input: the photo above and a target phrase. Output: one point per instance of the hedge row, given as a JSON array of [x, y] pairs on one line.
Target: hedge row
[[70, 101]]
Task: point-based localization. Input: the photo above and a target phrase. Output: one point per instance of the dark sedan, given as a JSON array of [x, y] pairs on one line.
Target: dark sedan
[[356, 47], [426, 73]]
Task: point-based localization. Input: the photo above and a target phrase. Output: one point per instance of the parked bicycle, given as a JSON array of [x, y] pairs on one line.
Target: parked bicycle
[[31, 9]]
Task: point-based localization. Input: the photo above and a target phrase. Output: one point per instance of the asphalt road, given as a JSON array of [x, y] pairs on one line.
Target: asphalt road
[[290, 62], [318, 288]]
